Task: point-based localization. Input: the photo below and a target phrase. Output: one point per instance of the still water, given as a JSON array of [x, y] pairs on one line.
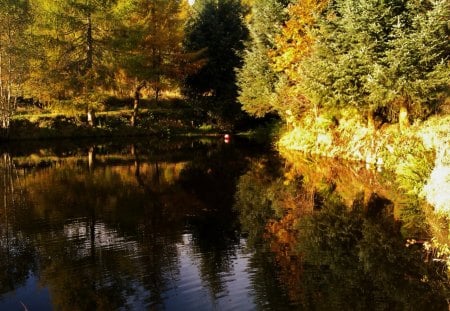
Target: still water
[[200, 224]]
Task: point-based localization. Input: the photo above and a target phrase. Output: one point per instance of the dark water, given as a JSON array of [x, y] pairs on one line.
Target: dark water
[[195, 224]]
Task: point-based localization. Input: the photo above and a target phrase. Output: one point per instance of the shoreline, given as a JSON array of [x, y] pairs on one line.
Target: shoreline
[[419, 158]]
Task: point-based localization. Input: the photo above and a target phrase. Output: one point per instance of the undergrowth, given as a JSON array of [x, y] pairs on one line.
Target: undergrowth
[[419, 157]]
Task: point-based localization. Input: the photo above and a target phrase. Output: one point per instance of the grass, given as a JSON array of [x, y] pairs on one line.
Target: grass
[[68, 119], [419, 157]]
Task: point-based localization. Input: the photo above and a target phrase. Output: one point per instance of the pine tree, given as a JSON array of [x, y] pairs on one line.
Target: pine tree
[[217, 27], [292, 46], [350, 44], [415, 73], [257, 79]]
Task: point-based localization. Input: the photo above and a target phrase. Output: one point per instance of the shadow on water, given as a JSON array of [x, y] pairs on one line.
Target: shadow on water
[[202, 224]]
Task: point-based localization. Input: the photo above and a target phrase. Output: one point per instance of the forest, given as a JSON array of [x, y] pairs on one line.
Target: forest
[[387, 59], [359, 80]]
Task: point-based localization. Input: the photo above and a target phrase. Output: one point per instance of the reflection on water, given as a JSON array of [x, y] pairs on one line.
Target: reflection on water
[[200, 225], [339, 237]]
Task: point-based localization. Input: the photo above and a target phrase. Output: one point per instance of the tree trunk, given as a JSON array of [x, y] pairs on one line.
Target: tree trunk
[[135, 107], [89, 45], [370, 121], [157, 92], [403, 119], [91, 117], [136, 101], [87, 71], [91, 158], [1, 74]]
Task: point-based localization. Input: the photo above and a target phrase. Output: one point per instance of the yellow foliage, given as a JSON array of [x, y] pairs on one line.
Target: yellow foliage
[[295, 41]]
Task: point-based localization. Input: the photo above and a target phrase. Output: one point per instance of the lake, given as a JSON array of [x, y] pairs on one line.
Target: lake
[[207, 224]]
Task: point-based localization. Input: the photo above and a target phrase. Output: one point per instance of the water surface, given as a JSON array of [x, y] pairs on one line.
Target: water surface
[[200, 224]]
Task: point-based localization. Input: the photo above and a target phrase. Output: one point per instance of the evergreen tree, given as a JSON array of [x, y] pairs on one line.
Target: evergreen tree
[[257, 79], [350, 44], [292, 46], [415, 73], [217, 27]]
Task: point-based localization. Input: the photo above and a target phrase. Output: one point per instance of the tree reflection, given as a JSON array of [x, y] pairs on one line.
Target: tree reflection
[[104, 232], [17, 258], [364, 249], [212, 180], [105, 228], [259, 198], [334, 255], [78, 261]]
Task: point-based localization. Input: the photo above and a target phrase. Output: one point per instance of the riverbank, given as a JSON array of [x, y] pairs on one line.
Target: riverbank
[[113, 119], [110, 123], [419, 157]]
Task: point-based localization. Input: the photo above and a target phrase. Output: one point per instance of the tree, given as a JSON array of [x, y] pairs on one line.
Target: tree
[[256, 79], [150, 40], [350, 44], [14, 19], [292, 46], [74, 47], [153, 40], [414, 73], [217, 27]]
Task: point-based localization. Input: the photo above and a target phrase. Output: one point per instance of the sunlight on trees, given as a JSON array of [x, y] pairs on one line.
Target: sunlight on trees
[[257, 79], [14, 55]]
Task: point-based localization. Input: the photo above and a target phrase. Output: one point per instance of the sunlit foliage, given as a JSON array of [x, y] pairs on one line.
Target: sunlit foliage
[[15, 47], [256, 79], [292, 46], [150, 42], [73, 51]]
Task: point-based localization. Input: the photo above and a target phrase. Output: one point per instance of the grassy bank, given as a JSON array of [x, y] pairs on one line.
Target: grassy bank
[[112, 118], [110, 123], [419, 157]]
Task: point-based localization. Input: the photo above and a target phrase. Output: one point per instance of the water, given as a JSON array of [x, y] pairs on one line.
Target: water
[[199, 224]]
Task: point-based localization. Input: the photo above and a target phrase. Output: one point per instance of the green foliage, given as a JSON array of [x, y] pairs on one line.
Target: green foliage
[[217, 27], [365, 54], [415, 65], [350, 42], [413, 172], [72, 42], [15, 17], [256, 79]]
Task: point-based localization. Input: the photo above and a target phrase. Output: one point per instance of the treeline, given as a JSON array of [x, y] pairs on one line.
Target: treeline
[[389, 58], [83, 51], [65, 49], [287, 57]]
